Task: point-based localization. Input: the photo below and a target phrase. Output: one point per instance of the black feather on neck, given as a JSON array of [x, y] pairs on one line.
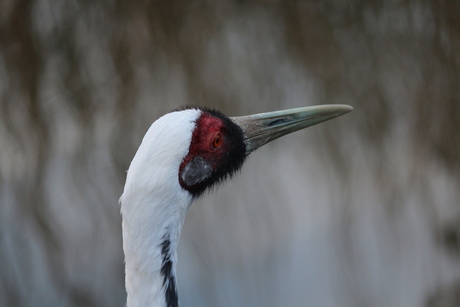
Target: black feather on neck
[[169, 282]]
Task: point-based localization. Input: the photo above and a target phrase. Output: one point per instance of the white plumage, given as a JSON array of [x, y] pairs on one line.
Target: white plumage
[[153, 203], [182, 154]]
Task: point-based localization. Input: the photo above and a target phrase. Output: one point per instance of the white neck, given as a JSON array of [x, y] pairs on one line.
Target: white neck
[[153, 208], [150, 243]]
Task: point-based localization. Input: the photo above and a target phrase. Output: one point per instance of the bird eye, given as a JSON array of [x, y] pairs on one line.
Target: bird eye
[[217, 141]]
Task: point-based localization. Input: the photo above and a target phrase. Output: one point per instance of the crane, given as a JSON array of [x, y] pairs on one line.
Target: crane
[[183, 154]]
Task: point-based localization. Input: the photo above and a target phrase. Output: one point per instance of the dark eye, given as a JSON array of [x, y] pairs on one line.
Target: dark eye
[[217, 141]]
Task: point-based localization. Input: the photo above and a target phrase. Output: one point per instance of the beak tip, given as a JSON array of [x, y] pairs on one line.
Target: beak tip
[[343, 109], [346, 108]]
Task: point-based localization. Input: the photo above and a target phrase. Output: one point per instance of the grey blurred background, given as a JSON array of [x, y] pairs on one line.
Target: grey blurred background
[[363, 210]]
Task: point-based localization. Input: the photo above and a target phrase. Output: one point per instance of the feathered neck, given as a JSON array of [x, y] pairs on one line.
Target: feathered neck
[[153, 208]]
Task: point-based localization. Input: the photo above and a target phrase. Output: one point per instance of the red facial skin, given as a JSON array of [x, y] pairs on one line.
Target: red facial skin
[[208, 141], [217, 150]]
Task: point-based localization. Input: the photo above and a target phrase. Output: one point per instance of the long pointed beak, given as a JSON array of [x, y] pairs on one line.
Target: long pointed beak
[[259, 129]]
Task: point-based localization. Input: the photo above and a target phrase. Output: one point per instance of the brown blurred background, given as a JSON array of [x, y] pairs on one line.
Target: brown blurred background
[[363, 210]]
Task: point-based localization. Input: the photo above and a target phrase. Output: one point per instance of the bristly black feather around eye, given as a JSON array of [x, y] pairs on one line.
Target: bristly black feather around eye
[[231, 161]]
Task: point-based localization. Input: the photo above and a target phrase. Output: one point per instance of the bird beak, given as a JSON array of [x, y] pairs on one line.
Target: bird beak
[[259, 129]]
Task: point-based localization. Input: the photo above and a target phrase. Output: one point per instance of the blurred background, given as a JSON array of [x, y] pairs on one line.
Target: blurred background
[[363, 210]]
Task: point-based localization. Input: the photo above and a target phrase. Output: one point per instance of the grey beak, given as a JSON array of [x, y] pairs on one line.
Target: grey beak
[[259, 129]]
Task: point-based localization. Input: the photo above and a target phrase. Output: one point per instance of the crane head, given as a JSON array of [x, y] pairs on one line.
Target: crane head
[[220, 144], [182, 154]]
